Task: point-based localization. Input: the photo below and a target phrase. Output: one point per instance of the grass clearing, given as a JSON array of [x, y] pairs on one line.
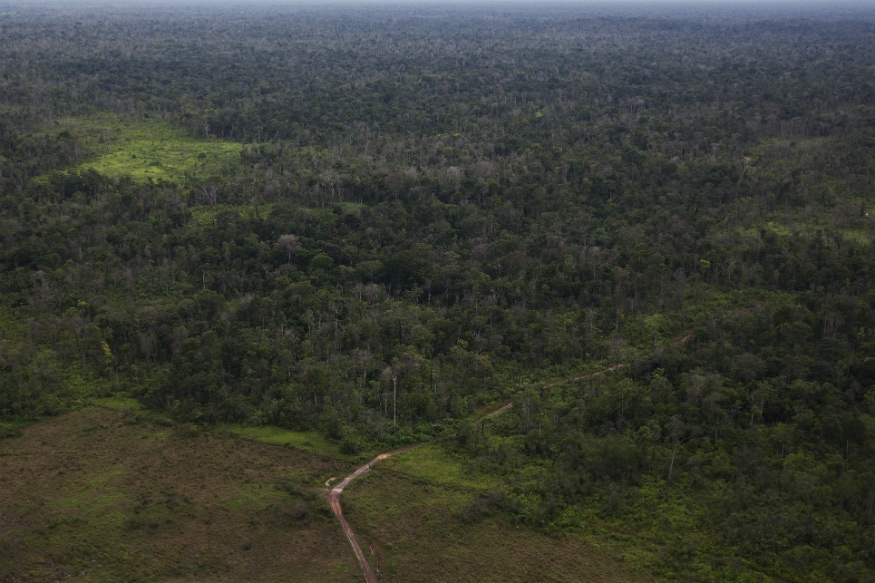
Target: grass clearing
[[10, 428], [308, 441], [406, 515], [859, 236], [148, 149], [434, 465], [311, 442], [104, 495], [108, 494]]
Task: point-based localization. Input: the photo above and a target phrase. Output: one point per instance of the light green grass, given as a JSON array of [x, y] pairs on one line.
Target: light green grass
[[779, 229], [10, 428], [436, 466], [148, 149], [858, 236], [308, 441]]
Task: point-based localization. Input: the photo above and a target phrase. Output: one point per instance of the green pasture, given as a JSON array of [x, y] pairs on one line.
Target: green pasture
[[431, 463], [407, 512], [147, 149], [308, 441], [93, 495]]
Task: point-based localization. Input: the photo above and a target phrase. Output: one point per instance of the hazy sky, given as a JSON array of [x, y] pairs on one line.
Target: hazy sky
[[643, 3], [795, 8]]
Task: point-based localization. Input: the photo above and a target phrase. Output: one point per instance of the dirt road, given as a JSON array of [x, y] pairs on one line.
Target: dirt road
[[333, 495], [618, 366]]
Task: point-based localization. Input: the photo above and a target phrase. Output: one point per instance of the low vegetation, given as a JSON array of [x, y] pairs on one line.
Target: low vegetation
[[413, 510], [112, 495], [144, 150]]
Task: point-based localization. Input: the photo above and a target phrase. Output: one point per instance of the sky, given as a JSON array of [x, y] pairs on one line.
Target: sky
[[793, 8], [702, 3]]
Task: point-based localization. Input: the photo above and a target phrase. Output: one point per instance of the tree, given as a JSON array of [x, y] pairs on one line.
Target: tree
[[290, 243], [391, 373], [210, 195]]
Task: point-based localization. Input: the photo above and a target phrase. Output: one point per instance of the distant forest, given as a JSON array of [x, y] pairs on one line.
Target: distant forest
[[372, 221]]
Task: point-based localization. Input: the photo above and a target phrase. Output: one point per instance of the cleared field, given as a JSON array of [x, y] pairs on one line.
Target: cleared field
[[103, 495], [308, 441], [406, 513], [108, 493], [148, 149]]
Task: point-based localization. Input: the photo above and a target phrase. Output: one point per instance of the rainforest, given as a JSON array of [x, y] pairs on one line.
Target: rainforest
[[600, 278]]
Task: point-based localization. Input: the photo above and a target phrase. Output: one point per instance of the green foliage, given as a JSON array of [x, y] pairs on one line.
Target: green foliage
[[145, 150], [285, 238], [309, 441]]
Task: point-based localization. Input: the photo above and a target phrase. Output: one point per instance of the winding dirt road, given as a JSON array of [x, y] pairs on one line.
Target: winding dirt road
[[617, 366], [586, 376], [501, 409], [333, 495]]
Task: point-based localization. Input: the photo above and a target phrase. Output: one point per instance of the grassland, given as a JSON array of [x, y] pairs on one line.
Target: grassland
[[147, 149], [307, 441], [107, 495], [406, 513]]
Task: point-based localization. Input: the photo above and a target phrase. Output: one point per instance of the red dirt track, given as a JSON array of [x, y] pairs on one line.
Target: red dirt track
[[333, 495]]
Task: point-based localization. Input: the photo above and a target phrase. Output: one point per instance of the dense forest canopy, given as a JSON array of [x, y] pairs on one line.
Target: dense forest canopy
[[370, 221]]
